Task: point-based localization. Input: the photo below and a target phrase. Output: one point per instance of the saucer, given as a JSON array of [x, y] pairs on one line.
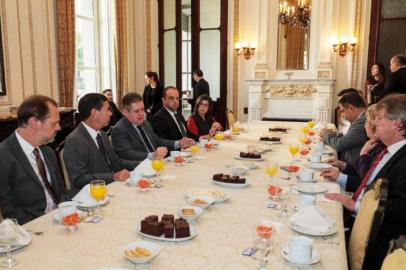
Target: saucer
[[315, 256]]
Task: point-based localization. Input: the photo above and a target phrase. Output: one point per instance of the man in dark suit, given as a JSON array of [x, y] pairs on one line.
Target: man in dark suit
[[133, 137], [201, 87], [88, 153], [116, 114], [168, 123], [390, 128], [30, 180], [353, 107], [397, 79]]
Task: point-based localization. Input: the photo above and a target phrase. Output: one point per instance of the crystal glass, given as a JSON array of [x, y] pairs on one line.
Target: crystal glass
[[271, 168], [8, 237], [293, 149], [293, 167], [304, 130], [158, 165], [219, 136], [194, 149], [311, 124], [263, 241], [98, 192]]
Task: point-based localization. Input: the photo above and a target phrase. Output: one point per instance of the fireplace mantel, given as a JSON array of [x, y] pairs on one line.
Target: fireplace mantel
[[290, 99]]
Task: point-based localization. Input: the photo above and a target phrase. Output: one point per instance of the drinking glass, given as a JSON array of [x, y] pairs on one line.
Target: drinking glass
[[98, 192], [8, 237], [311, 124], [303, 152], [219, 136], [293, 167], [293, 149], [194, 149], [263, 241], [158, 165], [305, 130], [271, 168]]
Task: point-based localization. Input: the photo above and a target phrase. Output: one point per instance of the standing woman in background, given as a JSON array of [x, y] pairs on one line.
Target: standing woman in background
[[376, 83], [152, 94]]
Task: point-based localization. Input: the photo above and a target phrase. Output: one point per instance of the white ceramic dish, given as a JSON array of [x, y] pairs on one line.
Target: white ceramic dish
[[250, 159], [193, 234], [307, 231], [311, 188], [198, 212], [208, 199], [151, 247], [232, 185], [315, 256], [319, 166]]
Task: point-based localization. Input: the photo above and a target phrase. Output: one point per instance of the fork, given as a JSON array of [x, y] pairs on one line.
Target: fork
[[36, 232]]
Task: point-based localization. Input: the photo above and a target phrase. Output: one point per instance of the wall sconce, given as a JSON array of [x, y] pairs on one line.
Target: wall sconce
[[245, 49], [344, 45]]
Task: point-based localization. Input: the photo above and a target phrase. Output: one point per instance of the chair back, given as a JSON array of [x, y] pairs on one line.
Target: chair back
[[365, 232], [230, 119], [64, 170], [395, 260]]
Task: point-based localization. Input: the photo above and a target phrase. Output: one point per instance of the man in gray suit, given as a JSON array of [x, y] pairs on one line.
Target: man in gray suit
[[133, 137], [352, 107], [88, 153], [30, 180]]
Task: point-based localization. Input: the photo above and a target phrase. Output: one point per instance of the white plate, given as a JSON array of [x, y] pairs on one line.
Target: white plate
[[148, 174], [208, 199], [311, 188], [250, 159], [226, 197], [306, 181], [319, 166], [91, 204], [193, 234], [26, 239], [250, 165], [218, 195], [152, 247], [57, 218], [272, 142], [231, 184], [185, 154], [315, 256], [307, 231], [198, 212]]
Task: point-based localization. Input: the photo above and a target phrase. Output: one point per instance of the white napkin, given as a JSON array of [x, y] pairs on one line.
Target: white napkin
[[83, 198], [144, 167], [331, 188], [312, 219], [22, 238]]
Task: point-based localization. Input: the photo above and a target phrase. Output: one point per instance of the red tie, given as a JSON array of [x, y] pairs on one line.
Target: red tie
[[365, 180]]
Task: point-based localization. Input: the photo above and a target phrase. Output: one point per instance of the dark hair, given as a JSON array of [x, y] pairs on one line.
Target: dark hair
[[353, 99], [202, 98], [153, 75], [168, 88], [107, 90], [131, 98], [346, 91], [88, 102], [395, 108], [400, 59], [381, 71], [36, 106], [198, 72]]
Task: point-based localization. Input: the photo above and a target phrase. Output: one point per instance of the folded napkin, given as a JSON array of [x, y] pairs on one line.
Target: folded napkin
[[22, 237], [312, 219], [143, 168], [83, 198]]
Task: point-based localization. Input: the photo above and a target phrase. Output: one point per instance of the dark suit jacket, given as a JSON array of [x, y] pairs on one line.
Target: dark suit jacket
[[22, 195], [165, 126], [394, 222], [84, 162], [154, 103], [128, 143], [396, 82], [114, 118], [201, 87], [349, 145]]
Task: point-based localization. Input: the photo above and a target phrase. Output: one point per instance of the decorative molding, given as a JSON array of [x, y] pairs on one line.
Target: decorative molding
[[261, 66], [260, 75], [50, 69], [148, 33], [236, 59], [323, 74], [32, 48], [6, 53], [357, 34], [289, 90], [21, 50]]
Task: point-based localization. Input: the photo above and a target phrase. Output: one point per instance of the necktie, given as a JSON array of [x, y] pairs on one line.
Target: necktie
[[180, 124], [102, 149], [146, 140], [364, 181], [43, 173]]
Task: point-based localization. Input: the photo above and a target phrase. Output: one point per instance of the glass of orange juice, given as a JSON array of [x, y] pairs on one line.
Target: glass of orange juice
[[98, 192], [271, 168], [219, 136], [311, 124], [158, 165], [194, 149], [305, 130], [293, 149]]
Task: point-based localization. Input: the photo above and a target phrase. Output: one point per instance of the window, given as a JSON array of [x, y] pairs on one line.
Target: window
[[94, 46]]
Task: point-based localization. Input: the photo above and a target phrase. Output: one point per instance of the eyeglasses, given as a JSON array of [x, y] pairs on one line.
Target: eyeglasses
[[204, 104]]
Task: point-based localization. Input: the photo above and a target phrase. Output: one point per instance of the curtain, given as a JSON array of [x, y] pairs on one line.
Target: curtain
[[121, 50], [66, 51], [295, 46]]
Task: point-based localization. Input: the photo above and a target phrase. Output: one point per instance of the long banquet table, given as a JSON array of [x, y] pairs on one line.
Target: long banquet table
[[224, 229]]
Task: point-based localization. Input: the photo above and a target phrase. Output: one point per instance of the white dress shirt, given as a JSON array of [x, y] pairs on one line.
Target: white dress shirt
[[28, 151], [92, 132], [392, 149]]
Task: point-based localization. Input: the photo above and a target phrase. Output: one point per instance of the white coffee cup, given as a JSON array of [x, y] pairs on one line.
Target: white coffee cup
[[174, 154], [306, 201], [300, 249], [306, 174], [67, 208], [315, 157], [320, 146], [203, 143]]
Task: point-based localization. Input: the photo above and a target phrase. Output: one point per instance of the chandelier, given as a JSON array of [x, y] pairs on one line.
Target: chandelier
[[291, 15]]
